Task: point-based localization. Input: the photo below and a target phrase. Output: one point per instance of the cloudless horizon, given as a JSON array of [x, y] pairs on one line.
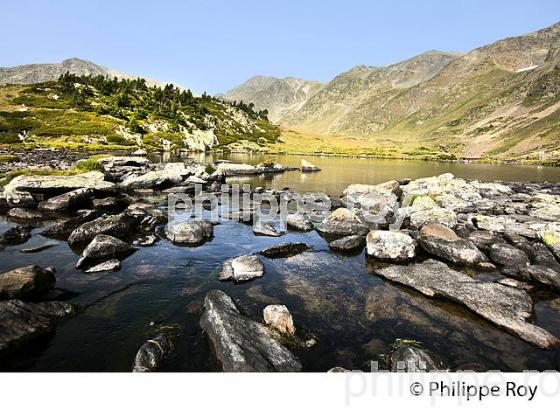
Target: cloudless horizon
[[215, 45]]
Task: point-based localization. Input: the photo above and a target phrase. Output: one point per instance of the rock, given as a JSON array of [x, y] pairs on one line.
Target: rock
[[284, 249], [192, 232], [103, 247], [442, 242], [28, 282], [307, 166], [352, 243], [509, 256], [79, 198], [241, 344], [550, 235], [542, 256], [519, 242], [506, 307], [172, 174], [62, 230], [421, 217], [484, 239], [299, 222], [24, 322], [515, 284], [37, 249], [491, 189], [108, 266], [390, 246], [153, 353], [110, 203], [265, 229], [424, 202], [550, 213], [57, 184], [410, 359], [16, 199], [242, 269], [24, 214], [119, 226], [342, 222], [15, 235], [140, 152], [279, 318], [148, 240], [542, 274], [337, 369]]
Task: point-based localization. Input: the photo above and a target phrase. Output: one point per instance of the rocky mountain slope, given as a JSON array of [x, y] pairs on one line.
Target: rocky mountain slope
[[497, 101]]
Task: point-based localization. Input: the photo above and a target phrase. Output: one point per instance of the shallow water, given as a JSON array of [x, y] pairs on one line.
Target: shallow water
[[354, 315]]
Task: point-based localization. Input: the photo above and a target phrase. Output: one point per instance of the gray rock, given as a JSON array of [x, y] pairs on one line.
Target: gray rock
[[515, 284], [442, 242], [242, 269], [342, 222], [519, 242], [119, 226], [279, 318], [390, 246], [284, 249], [145, 241], [542, 256], [37, 249], [153, 353], [24, 322], [27, 282], [352, 243], [192, 232], [484, 239], [24, 214], [108, 266], [509, 256], [241, 344], [411, 359], [506, 307], [15, 235], [63, 229], [542, 274], [265, 229], [57, 184], [299, 222], [103, 247], [421, 217], [307, 166], [79, 198]]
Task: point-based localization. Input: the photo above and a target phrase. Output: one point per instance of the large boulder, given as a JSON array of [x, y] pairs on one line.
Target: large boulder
[[242, 269], [284, 249], [24, 322], [23, 214], [504, 306], [119, 226], [279, 318], [242, 344], [542, 274], [299, 222], [342, 222], [192, 232], [172, 174], [103, 247], [153, 353], [390, 246], [28, 282], [421, 217], [63, 229], [57, 184], [65, 202], [541, 255], [442, 242], [373, 203]]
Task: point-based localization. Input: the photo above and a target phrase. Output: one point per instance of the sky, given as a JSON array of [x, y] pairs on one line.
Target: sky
[[214, 45]]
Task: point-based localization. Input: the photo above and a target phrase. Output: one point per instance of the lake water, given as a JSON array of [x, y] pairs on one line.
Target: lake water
[[354, 315]]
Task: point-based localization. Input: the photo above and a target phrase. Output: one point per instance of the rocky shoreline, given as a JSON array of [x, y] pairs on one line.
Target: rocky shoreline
[[479, 245]]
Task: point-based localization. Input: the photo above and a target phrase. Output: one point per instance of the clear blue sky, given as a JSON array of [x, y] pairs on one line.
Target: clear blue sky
[[214, 45]]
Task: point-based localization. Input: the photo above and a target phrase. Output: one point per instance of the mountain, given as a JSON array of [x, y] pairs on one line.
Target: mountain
[[501, 100], [39, 73], [280, 96]]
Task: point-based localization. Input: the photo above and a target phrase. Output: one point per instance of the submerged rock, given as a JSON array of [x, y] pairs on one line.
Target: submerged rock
[[67, 201], [352, 243], [342, 222], [506, 307], [442, 242], [242, 269], [24, 322], [15, 235], [299, 222], [390, 245], [108, 266], [241, 344], [27, 282], [279, 318], [152, 354], [192, 232], [284, 249], [120, 226], [410, 359]]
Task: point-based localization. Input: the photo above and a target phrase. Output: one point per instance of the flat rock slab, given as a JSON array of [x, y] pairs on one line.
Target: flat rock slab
[[242, 344], [242, 269], [284, 249], [23, 322], [65, 202], [352, 243], [27, 282], [504, 306], [59, 183]]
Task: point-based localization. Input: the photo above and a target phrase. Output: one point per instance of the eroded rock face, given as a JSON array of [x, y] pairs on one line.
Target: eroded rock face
[[27, 282], [119, 226], [299, 222], [284, 249], [352, 243], [279, 318], [442, 242], [390, 245], [152, 354], [504, 306], [242, 269], [23, 322], [67, 201], [409, 359], [342, 222], [241, 344], [192, 232]]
